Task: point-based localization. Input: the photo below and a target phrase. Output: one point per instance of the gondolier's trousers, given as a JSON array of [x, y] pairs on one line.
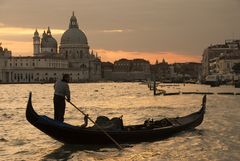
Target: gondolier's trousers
[[59, 107]]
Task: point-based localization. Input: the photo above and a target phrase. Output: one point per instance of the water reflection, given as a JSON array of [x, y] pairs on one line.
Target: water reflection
[[217, 138], [67, 151]]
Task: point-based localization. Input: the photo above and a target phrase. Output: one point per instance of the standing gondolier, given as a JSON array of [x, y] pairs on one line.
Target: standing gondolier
[[61, 90]]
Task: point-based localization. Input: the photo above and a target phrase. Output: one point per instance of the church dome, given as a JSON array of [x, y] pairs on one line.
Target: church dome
[[73, 35], [48, 41]]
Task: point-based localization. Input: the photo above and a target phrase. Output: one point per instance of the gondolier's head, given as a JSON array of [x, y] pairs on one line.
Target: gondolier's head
[[66, 77]]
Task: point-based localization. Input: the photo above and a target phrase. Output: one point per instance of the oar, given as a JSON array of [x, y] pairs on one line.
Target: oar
[[115, 142]]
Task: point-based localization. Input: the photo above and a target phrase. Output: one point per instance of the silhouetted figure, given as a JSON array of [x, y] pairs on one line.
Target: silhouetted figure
[[61, 90]]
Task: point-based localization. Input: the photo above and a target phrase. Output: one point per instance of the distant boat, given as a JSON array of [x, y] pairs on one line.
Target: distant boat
[[150, 130], [237, 84], [213, 80], [215, 84]]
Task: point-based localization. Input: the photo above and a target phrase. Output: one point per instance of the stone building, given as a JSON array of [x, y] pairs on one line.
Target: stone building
[[162, 71], [47, 64], [127, 70], [214, 51], [222, 66]]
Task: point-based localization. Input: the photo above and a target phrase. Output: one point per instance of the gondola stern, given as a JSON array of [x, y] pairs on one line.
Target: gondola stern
[[204, 101], [31, 115], [202, 111]]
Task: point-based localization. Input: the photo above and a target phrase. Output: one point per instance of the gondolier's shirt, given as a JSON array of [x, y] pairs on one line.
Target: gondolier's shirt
[[62, 89]]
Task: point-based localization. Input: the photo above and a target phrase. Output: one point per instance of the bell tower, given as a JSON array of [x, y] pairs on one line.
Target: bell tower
[[36, 43]]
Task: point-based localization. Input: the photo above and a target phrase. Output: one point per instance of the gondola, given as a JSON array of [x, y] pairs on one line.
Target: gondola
[[148, 131]]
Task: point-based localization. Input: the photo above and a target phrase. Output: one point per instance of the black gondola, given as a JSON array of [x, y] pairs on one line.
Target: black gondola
[[150, 130]]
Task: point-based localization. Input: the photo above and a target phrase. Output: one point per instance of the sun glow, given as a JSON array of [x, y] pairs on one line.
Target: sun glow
[[16, 31], [25, 48], [170, 57]]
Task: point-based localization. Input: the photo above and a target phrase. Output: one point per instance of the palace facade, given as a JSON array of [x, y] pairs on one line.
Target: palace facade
[[218, 61], [49, 62]]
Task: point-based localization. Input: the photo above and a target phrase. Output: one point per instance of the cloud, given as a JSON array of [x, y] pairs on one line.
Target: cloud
[[18, 31], [170, 57], [117, 31]]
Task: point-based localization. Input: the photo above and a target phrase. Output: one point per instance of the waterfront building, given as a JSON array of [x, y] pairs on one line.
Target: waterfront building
[[176, 72], [47, 64], [222, 66], [127, 70], [107, 69], [214, 51], [162, 71], [190, 71], [5, 54]]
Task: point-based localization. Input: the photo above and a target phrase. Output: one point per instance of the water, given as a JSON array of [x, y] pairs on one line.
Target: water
[[217, 138]]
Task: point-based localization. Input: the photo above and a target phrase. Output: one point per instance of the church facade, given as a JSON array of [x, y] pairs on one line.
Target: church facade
[[49, 62]]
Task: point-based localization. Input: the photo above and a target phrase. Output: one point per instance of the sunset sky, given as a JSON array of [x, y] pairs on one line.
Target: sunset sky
[[177, 30]]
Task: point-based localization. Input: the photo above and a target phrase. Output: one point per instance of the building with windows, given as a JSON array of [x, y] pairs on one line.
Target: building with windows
[[212, 53], [126, 70], [222, 66], [49, 63]]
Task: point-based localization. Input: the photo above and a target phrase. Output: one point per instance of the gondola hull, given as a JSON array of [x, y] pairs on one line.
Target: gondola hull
[[70, 134]]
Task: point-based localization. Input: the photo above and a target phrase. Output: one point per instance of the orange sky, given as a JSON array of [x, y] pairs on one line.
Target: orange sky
[[19, 48], [107, 55]]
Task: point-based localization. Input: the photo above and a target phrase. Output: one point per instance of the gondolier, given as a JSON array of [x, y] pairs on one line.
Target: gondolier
[[61, 90]]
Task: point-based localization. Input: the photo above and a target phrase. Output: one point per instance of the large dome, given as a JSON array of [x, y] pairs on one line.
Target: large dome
[[74, 36]]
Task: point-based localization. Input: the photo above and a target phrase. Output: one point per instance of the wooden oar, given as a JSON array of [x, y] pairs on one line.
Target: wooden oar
[[115, 142]]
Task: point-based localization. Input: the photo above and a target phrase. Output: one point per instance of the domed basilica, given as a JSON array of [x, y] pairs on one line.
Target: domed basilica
[[50, 63]]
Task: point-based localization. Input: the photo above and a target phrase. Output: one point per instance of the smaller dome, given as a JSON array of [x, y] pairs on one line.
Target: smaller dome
[[49, 42], [73, 18], [36, 33], [44, 35]]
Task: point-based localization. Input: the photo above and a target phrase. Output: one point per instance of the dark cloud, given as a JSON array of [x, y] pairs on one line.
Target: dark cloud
[[157, 25]]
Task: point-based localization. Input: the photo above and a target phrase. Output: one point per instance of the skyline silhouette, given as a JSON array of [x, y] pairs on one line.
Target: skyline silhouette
[[177, 31]]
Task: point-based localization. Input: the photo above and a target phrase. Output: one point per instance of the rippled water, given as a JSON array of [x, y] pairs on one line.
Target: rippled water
[[217, 138]]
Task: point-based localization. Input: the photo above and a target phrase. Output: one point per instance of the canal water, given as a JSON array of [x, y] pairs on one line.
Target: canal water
[[217, 138]]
